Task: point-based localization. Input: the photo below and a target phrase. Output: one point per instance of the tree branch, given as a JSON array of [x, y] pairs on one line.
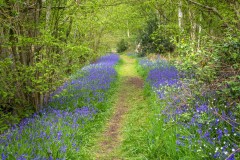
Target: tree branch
[[213, 9]]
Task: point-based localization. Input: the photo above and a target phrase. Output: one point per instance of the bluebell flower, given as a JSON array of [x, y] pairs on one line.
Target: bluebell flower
[[216, 155], [225, 131], [220, 134], [63, 149], [22, 157], [4, 156], [202, 108], [232, 157], [59, 135]]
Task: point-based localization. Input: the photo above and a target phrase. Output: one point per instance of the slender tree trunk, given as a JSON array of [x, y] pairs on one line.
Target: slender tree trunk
[[47, 50], [237, 11], [180, 15], [128, 31], [199, 33], [193, 25], [48, 15], [3, 50]]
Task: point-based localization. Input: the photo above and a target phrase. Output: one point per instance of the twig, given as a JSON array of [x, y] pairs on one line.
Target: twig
[[226, 120], [213, 9], [238, 150]]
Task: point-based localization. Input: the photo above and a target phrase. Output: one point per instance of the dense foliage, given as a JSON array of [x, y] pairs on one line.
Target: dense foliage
[[153, 39], [40, 45], [122, 46], [61, 130], [204, 36]]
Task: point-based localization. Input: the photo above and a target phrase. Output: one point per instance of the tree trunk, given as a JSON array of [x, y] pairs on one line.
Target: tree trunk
[[193, 25], [199, 33], [128, 31], [180, 15]]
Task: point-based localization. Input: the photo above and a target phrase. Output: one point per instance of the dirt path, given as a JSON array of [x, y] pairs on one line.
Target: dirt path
[[130, 82]]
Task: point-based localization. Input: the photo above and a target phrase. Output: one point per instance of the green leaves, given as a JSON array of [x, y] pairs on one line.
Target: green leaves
[[122, 46]]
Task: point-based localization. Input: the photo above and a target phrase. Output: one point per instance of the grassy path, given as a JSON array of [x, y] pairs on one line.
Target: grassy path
[[122, 135]]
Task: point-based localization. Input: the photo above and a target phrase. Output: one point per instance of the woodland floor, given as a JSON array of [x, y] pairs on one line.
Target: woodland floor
[[129, 96]]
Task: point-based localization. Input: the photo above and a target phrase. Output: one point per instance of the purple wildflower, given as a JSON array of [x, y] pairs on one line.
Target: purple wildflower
[[22, 157], [202, 108], [63, 149], [231, 157], [59, 135], [4, 157], [216, 155], [225, 131], [220, 134]]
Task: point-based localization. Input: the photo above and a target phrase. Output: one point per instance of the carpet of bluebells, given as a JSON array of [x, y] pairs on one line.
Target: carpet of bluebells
[[204, 125], [57, 131]]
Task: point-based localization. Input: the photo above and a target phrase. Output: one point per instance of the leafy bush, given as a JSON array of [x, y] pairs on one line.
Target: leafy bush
[[161, 40], [203, 63], [214, 60], [155, 38], [122, 46], [231, 49]]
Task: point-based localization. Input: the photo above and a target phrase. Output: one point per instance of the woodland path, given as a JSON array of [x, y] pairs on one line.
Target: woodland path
[[130, 96]]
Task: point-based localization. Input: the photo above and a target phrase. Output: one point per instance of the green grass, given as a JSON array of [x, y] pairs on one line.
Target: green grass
[[162, 135], [136, 125], [143, 134], [93, 131], [134, 133]]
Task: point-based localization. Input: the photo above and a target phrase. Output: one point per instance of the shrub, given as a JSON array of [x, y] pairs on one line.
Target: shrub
[[122, 46]]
